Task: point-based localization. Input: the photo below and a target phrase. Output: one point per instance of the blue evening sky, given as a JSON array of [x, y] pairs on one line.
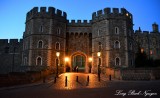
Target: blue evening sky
[[13, 12]]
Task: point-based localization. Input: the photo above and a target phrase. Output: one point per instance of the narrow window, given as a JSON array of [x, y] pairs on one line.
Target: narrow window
[[99, 46], [117, 61], [25, 61], [58, 31], [57, 46], [39, 61], [98, 32], [130, 45], [41, 28], [116, 30], [40, 44], [116, 44]]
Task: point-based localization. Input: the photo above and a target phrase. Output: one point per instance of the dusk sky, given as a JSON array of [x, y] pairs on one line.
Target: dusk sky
[[13, 12]]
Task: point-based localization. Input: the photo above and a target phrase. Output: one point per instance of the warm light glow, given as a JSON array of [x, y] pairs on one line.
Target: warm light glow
[[66, 59], [151, 52], [90, 59], [99, 54], [57, 54], [127, 14], [142, 50]]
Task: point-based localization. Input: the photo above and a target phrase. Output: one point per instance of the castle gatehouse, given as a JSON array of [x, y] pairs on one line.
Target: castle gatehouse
[[52, 41]]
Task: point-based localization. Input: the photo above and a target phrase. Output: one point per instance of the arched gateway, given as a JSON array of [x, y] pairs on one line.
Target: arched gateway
[[78, 59]]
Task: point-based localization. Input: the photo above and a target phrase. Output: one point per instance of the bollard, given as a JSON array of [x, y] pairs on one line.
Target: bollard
[[66, 82], [77, 79], [55, 79], [99, 77], [88, 79], [109, 77]]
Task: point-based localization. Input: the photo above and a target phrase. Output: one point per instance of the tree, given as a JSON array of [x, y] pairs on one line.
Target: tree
[[141, 59]]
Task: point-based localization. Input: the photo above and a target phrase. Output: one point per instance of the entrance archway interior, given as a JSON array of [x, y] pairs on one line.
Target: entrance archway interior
[[80, 61]]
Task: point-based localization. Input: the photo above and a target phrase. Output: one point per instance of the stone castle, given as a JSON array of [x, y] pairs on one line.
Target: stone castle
[[110, 32]]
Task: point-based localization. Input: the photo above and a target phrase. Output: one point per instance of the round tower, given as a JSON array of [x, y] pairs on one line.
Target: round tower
[[112, 36], [44, 36]]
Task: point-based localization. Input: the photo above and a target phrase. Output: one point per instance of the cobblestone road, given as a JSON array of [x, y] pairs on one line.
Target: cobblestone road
[[77, 81]]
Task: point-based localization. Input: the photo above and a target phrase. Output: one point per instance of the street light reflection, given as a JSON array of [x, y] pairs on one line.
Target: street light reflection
[[83, 81]]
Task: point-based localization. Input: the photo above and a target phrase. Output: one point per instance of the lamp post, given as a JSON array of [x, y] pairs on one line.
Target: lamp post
[[99, 63], [57, 63], [90, 64]]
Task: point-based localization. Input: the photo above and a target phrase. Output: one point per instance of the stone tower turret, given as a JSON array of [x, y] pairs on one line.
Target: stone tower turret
[[155, 27], [44, 35], [112, 35]]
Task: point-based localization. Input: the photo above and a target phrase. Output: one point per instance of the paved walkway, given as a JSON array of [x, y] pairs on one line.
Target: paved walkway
[[78, 81], [82, 88], [71, 83]]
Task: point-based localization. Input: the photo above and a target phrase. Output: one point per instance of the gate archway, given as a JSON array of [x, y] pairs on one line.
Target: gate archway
[[78, 59]]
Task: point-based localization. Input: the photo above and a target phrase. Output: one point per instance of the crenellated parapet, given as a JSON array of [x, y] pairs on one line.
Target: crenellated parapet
[[79, 23], [142, 32], [3, 41], [145, 33], [44, 12], [108, 13], [10, 41]]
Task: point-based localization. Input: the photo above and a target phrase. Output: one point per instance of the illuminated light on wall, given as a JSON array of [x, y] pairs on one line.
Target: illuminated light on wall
[[66, 59], [126, 14], [142, 50], [90, 59]]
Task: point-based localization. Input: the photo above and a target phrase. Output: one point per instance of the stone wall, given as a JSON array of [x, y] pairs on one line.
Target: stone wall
[[10, 55], [149, 42], [134, 73]]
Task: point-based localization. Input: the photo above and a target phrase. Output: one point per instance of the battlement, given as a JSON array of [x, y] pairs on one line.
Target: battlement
[[137, 31], [142, 32], [45, 12], [3, 41], [79, 23], [10, 41], [111, 13], [145, 32]]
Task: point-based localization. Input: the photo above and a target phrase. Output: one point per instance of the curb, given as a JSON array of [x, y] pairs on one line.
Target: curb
[[20, 86], [25, 85], [28, 85]]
